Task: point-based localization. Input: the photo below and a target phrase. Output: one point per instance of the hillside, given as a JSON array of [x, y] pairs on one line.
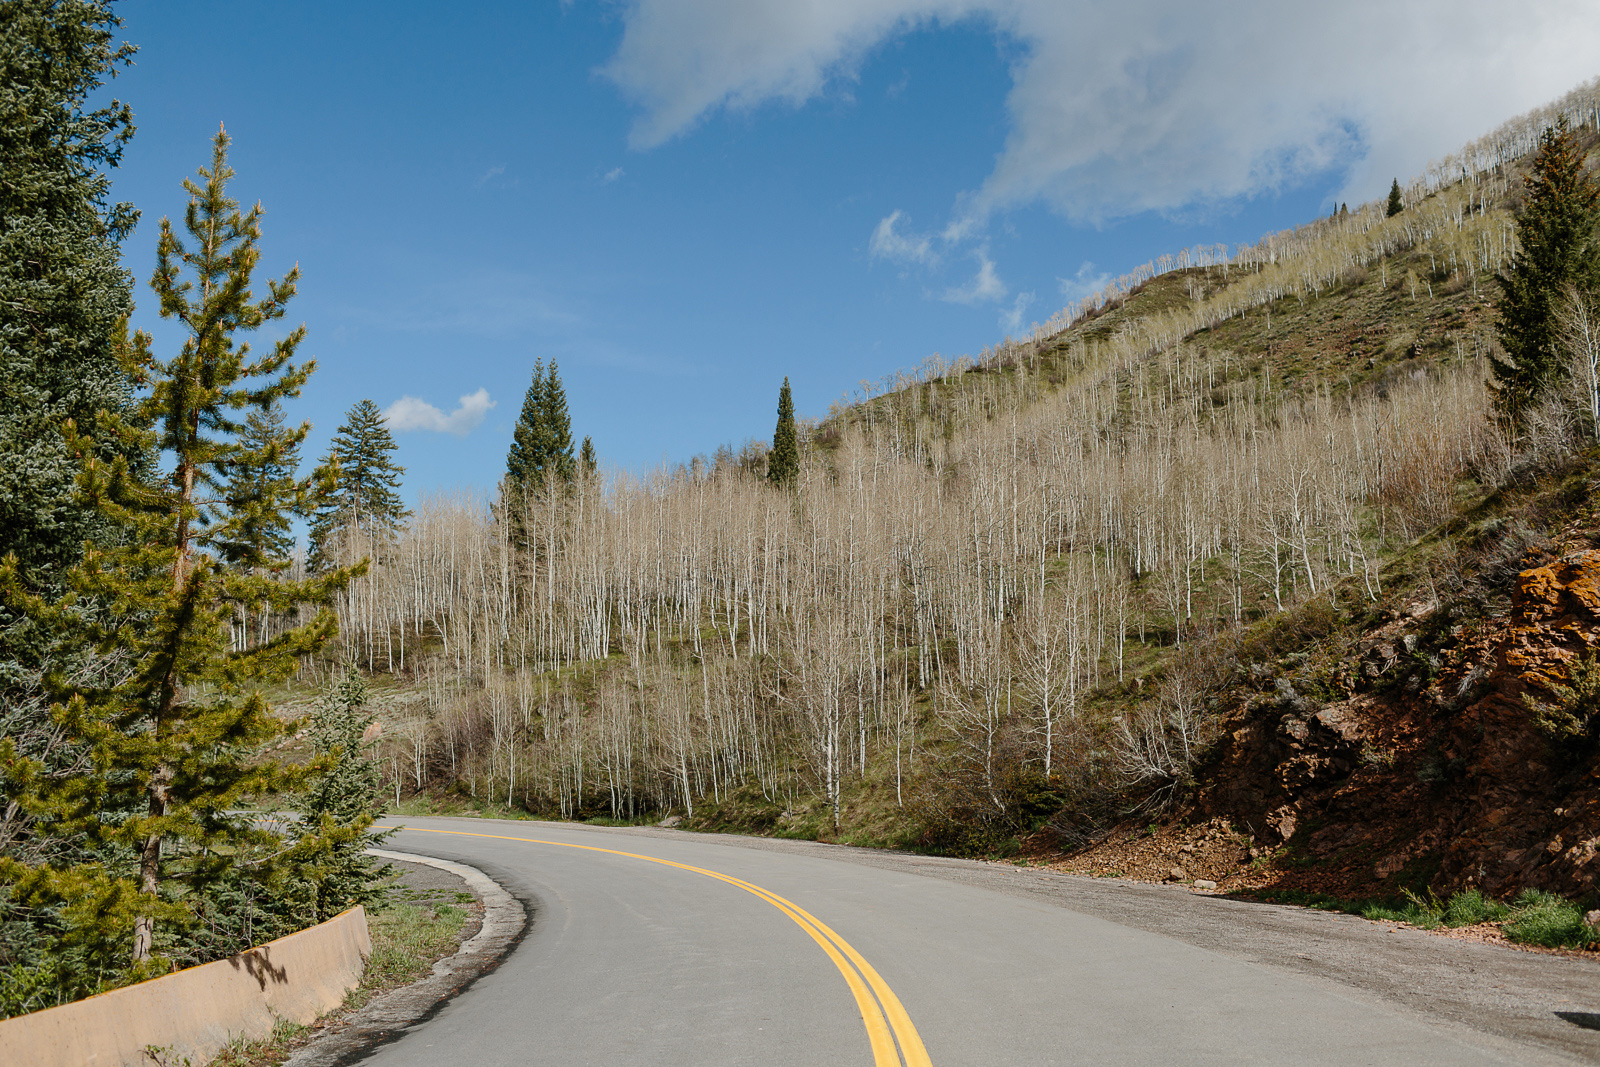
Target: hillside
[[1235, 543]]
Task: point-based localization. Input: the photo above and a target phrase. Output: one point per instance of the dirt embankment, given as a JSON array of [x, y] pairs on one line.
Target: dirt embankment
[[1427, 772]]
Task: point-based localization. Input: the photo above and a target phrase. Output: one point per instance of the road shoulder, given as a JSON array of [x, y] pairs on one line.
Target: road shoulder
[[350, 1037]]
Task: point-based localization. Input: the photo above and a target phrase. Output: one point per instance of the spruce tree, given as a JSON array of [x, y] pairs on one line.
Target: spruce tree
[[265, 538], [1556, 248], [783, 463], [63, 291], [365, 502], [588, 463], [63, 298], [528, 436], [541, 443], [173, 741], [339, 806], [1396, 205], [540, 457], [557, 427]]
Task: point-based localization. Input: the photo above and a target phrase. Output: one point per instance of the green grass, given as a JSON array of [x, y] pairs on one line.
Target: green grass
[[406, 940], [422, 804], [264, 1052], [637, 820], [1533, 918], [1540, 918]]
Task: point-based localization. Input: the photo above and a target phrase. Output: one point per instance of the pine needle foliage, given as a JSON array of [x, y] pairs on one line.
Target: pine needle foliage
[[173, 743], [1557, 249], [783, 462]]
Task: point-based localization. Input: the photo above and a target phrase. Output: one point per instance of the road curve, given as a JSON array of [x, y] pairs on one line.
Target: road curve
[[687, 951]]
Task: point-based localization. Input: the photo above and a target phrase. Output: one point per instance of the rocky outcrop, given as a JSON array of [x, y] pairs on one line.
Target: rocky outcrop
[[1430, 769]]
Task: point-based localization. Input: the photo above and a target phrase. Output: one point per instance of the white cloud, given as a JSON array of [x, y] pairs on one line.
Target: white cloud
[[888, 243], [612, 175], [985, 286], [1084, 283], [410, 413], [1149, 104], [1011, 317]]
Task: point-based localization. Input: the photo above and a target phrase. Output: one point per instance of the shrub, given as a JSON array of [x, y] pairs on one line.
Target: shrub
[[1575, 715]]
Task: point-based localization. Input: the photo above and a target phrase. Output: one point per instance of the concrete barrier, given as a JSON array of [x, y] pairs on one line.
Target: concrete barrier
[[195, 1012]]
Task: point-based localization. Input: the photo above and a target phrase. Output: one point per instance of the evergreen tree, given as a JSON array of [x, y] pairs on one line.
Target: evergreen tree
[[339, 807], [63, 299], [365, 500], [541, 443], [528, 436], [541, 449], [172, 742], [1556, 248], [783, 463], [1396, 205], [63, 292], [263, 542], [558, 427], [265, 538], [588, 463]]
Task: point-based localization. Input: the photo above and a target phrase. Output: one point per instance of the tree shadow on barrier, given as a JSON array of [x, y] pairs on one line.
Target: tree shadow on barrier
[[258, 964]]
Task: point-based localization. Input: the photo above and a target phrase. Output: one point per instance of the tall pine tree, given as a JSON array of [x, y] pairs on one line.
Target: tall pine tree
[[1556, 248], [783, 463], [173, 741], [365, 505]]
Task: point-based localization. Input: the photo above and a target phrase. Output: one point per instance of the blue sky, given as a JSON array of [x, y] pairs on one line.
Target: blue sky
[[677, 199]]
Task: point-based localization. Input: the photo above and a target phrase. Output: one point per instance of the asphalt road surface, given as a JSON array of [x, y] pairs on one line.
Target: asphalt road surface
[[654, 947]]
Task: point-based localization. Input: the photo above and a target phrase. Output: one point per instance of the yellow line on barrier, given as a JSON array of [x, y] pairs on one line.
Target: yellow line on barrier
[[838, 949]]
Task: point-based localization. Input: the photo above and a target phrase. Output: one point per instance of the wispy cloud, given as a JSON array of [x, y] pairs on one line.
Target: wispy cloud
[[492, 303], [1160, 105], [495, 177], [1082, 284], [412, 413], [985, 286], [612, 175], [888, 243], [1011, 318]]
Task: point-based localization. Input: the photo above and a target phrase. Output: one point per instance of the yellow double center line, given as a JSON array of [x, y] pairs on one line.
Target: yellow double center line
[[873, 995]]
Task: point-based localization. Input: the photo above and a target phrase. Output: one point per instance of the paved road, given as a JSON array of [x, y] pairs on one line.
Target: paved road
[[651, 947]]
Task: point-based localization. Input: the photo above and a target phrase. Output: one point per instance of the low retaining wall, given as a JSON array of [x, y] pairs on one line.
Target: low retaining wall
[[195, 1012]]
